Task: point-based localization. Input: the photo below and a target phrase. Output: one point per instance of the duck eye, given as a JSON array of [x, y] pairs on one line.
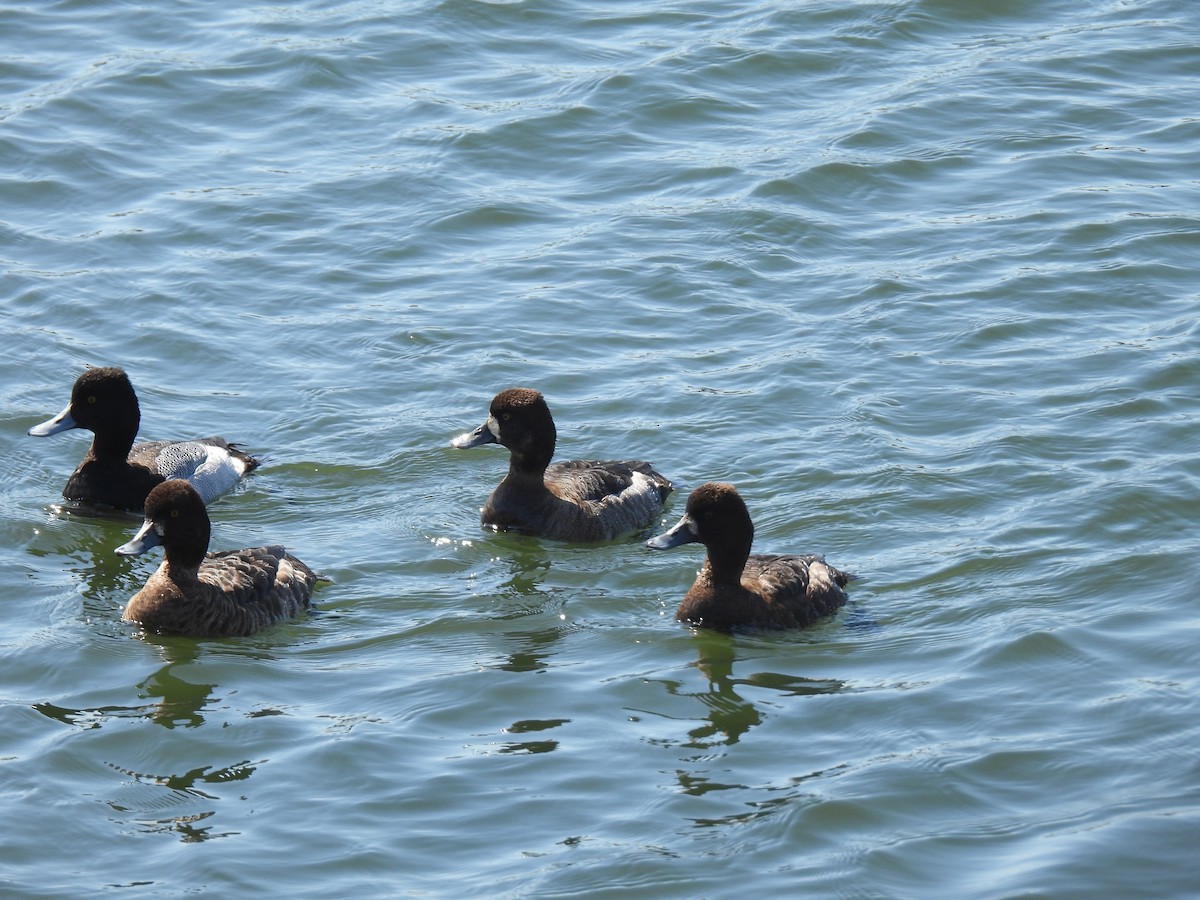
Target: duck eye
[[505, 416], [91, 398], [174, 514]]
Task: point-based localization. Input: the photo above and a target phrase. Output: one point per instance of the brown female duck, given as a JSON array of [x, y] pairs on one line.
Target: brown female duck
[[579, 500], [199, 594], [736, 590]]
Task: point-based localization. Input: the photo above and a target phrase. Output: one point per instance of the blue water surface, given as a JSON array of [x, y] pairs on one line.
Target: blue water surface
[[918, 277]]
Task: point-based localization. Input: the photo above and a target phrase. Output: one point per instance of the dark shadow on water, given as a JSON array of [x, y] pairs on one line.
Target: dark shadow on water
[[856, 618], [527, 571], [163, 803], [526, 727], [180, 701], [727, 716], [523, 596], [529, 747], [521, 593], [783, 796], [534, 652]]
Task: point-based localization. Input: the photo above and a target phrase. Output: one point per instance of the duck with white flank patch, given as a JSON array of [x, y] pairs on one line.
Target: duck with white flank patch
[[119, 473]]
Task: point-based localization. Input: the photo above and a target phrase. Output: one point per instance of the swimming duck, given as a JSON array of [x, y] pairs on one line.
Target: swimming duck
[[116, 472], [199, 594], [734, 589], [579, 500]]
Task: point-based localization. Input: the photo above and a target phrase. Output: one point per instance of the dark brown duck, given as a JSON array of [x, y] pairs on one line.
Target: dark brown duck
[[578, 500], [735, 589], [200, 594]]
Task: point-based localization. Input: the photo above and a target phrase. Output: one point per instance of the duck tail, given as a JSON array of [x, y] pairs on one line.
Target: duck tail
[[250, 462]]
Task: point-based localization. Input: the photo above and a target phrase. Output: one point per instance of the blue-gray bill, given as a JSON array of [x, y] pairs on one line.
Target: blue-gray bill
[[145, 538], [684, 532], [62, 422], [477, 438]]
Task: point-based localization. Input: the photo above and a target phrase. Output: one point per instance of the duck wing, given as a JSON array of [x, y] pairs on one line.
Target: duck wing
[[212, 465], [256, 587], [622, 496], [581, 480], [802, 587]]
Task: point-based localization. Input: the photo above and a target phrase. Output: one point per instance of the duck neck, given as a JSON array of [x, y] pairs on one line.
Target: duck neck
[[116, 439], [528, 465], [726, 561], [185, 556], [182, 571]]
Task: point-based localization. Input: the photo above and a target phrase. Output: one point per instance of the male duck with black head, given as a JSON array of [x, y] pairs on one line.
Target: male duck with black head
[[579, 500], [199, 594], [736, 590], [119, 473]]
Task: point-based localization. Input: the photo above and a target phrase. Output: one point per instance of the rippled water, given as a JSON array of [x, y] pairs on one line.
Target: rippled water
[[918, 277]]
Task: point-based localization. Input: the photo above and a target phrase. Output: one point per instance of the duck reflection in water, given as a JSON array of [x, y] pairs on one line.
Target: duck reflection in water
[[525, 595], [140, 800], [180, 701], [85, 543], [728, 714], [164, 802]]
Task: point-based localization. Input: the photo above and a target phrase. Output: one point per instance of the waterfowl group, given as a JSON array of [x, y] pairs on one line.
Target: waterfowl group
[[193, 593], [198, 593]]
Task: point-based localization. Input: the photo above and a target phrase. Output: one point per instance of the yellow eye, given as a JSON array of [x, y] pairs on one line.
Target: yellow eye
[[506, 416], [91, 398], [174, 514]]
